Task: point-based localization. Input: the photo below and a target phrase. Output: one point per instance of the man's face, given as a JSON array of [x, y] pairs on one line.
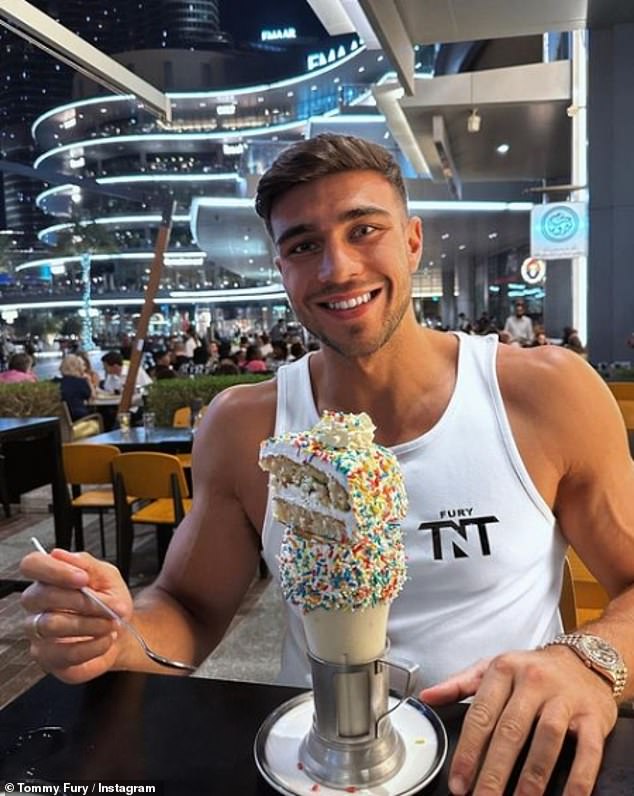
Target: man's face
[[520, 309], [346, 253], [113, 370]]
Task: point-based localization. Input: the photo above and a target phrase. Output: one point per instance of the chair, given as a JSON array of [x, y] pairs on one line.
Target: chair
[[567, 600], [73, 430], [158, 479], [590, 597], [182, 417], [627, 410], [86, 464]]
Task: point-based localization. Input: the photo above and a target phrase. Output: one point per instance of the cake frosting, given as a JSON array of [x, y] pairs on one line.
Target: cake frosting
[[333, 481], [341, 497]]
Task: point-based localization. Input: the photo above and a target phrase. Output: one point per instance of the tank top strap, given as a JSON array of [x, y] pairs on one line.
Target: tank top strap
[[295, 404]]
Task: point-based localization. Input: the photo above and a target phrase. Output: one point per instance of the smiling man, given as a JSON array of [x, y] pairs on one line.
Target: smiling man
[[485, 544]]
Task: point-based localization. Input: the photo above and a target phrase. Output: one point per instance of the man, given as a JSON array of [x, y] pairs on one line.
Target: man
[[114, 380], [519, 325], [484, 547]]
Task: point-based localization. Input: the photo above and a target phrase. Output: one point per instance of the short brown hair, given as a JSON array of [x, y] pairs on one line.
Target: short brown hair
[[321, 156]]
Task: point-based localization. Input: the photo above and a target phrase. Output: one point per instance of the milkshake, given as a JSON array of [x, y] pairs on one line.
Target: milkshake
[[340, 497]]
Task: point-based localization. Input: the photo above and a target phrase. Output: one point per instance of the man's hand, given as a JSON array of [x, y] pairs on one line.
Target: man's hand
[[70, 636], [550, 690]]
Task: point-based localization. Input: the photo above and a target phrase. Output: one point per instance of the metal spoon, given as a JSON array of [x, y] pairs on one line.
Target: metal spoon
[[161, 659]]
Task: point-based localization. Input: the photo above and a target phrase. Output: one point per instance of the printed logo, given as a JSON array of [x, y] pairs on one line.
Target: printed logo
[[463, 537], [560, 224]]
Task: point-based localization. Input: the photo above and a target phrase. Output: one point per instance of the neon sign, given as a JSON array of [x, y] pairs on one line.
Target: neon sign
[[278, 34], [315, 60]]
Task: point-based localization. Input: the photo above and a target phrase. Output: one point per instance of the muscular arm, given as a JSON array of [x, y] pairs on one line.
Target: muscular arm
[[214, 553], [209, 566], [572, 439]]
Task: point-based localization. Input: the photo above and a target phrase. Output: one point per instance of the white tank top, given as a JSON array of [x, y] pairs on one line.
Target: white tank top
[[484, 554]]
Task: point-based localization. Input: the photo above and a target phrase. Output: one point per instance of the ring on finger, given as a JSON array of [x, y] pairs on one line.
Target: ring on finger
[[36, 626]]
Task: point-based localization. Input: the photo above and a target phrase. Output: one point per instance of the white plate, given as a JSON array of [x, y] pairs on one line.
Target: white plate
[[278, 740]]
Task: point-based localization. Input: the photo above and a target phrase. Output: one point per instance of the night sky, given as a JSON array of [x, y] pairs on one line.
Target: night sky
[[244, 19]]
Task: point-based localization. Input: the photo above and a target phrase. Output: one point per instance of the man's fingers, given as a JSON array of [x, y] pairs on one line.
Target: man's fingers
[[60, 656], [588, 756], [39, 598], [51, 626], [544, 750], [461, 685], [479, 725], [65, 572]]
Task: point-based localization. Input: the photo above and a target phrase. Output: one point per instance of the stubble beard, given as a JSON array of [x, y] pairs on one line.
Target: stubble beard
[[352, 348]]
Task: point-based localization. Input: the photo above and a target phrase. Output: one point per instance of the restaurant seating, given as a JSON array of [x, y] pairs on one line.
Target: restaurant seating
[[74, 430], [182, 417], [89, 464], [590, 597], [567, 600], [627, 410], [159, 481]]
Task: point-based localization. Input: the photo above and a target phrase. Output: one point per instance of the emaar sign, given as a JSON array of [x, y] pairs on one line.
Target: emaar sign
[[316, 60], [278, 34]]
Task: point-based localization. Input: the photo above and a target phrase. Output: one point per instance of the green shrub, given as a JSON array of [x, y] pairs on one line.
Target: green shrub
[[166, 395], [620, 374], [30, 399]]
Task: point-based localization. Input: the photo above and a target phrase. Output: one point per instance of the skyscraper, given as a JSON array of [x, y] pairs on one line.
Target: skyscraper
[[33, 81]]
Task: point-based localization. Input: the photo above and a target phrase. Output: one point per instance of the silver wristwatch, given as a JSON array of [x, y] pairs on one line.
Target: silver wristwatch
[[597, 655]]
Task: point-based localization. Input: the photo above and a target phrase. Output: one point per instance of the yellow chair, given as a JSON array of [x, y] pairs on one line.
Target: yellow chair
[[158, 480], [86, 464], [567, 600], [74, 430], [590, 597], [622, 390], [627, 410], [182, 417]]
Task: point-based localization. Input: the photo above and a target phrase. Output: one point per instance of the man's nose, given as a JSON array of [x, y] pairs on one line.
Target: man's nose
[[338, 263]]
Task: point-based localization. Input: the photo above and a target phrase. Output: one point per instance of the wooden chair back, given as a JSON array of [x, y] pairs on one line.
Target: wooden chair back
[[568, 601], [88, 464], [627, 410], [182, 417], [150, 475], [622, 390]]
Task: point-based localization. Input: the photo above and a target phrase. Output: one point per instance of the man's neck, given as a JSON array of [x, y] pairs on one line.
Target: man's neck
[[404, 387]]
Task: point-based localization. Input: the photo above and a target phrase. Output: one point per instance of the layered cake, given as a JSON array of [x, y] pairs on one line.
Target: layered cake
[[340, 497]]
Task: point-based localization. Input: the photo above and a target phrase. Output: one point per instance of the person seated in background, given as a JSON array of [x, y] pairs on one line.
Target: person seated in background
[[574, 344], [116, 374], [278, 357], [75, 386], [297, 351], [519, 325], [163, 366], [253, 360], [91, 373], [20, 369]]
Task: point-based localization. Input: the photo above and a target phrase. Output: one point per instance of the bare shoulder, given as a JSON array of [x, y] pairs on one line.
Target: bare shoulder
[[238, 418], [557, 397], [548, 380]]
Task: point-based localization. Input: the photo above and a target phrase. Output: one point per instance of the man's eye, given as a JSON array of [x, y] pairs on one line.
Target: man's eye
[[303, 247], [363, 230]]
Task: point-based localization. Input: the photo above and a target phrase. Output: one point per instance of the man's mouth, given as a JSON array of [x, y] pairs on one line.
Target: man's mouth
[[349, 304]]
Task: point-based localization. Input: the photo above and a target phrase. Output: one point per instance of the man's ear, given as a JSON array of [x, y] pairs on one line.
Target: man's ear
[[276, 261], [414, 241]]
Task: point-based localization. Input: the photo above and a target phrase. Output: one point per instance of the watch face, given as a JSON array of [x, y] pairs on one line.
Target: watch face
[[599, 651]]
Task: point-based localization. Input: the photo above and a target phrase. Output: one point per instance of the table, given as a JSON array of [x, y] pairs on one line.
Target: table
[[193, 735], [166, 439], [31, 456]]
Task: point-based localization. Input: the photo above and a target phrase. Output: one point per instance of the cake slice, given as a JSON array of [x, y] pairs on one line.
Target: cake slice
[[332, 481]]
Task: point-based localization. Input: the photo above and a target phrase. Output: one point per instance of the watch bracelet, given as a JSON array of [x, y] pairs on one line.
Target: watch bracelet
[[569, 640]]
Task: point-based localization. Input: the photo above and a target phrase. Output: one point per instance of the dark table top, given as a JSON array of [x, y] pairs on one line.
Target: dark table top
[[162, 438], [8, 424], [193, 735]]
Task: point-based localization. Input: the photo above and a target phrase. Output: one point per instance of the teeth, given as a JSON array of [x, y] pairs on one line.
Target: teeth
[[350, 303]]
